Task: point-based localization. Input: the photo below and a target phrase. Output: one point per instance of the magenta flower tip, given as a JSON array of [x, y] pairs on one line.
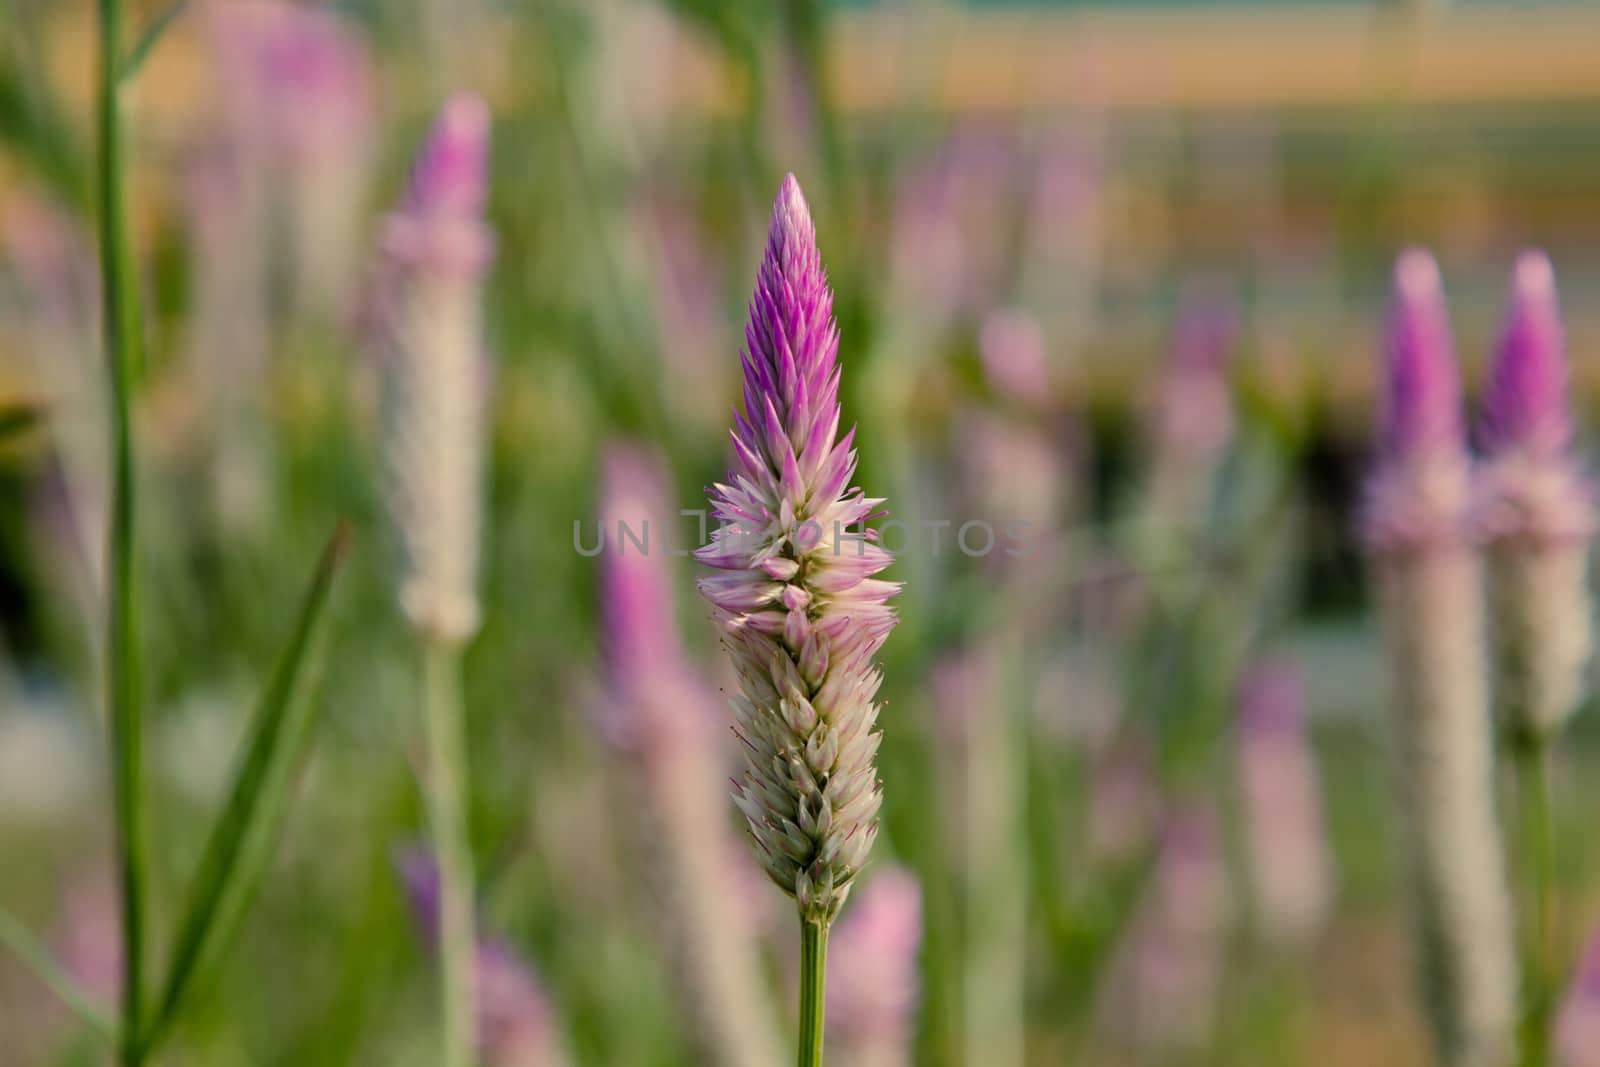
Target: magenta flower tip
[[1526, 404], [1423, 402], [419, 874], [451, 174], [1532, 485], [439, 227], [1207, 329]]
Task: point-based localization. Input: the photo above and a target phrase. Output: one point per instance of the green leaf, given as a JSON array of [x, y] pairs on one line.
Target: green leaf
[[35, 127], [16, 937], [241, 842], [17, 419], [151, 37]]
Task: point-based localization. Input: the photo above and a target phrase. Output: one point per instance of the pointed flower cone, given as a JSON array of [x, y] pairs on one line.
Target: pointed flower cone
[[1537, 514], [801, 612], [1417, 529]]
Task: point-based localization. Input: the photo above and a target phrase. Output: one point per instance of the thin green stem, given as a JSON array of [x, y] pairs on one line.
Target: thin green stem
[[813, 980], [121, 663], [15, 936], [1539, 961], [447, 793]]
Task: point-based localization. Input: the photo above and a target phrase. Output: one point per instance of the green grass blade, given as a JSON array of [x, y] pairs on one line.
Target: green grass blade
[[241, 841], [120, 322], [33, 126], [152, 36], [15, 936]]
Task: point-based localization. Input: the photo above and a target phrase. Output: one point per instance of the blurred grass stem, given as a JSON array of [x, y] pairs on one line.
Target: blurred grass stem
[[446, 798], [122, 679], [1540, 979], [997, 867], [813, 979]]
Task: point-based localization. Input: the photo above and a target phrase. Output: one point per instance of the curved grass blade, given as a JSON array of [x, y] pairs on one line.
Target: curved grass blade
[[151, 37], [15, 936], [241, 840], [33, 124]]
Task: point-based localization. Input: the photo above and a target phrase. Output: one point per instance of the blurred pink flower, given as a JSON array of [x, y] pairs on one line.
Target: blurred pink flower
[[948, 252], [656, 701], [89, 938], [1287, 842], [1165, 988], [873, 974], [1577, 1036], [657, 711], [436, 248], [1124, 803], [516, 1025], [1011, 345], [1190, 418], [299, 91]]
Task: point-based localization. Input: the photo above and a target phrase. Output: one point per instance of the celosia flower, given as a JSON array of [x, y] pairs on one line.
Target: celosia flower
[[872, 974], [1289, 870], [1538, 514], [299, 91], [1012, 462], [435, 249], [655, 712], [1170, 972], [947, 256], [1191, 414], [1418, 492], [800, 610], [1011, 346], [516, 1026], [1123, 801], [1416, 529]]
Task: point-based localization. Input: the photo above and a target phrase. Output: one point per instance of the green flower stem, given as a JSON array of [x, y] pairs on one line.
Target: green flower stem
[[121, 663], [446, 793], [813, 980], [1538, 842]]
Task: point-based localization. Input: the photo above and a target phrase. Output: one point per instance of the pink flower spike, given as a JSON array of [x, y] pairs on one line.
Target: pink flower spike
[[793, 592], [451, 173], [1422, 411], [1526, 404]]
